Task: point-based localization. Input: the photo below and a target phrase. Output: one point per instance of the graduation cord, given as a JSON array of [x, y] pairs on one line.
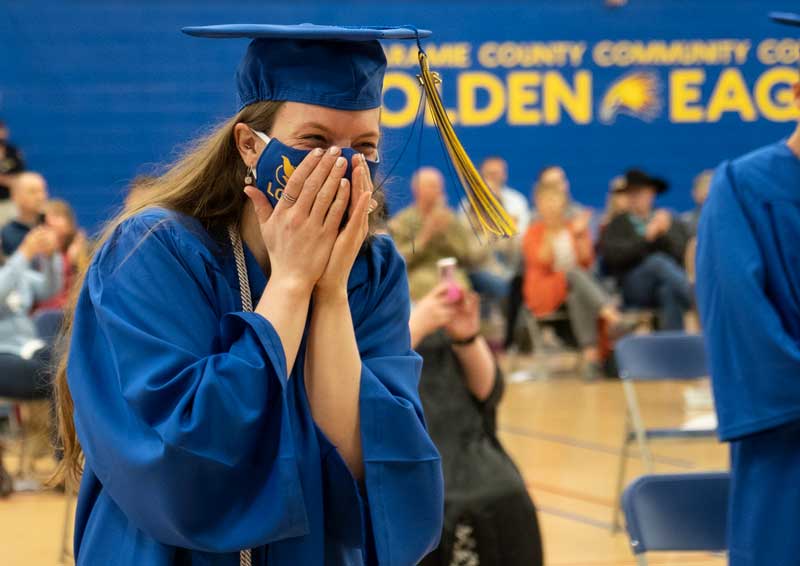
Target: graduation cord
[[241, 269], [245, 556]]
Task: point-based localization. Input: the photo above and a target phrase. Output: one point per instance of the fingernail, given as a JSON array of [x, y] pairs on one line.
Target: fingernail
[[317, 152], [340, 162], [373, 204], [343, 183], [333, 150], [363, 159]]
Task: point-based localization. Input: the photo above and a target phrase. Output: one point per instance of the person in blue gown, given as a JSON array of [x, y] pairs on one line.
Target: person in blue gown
[[748, 278], [240, 384]]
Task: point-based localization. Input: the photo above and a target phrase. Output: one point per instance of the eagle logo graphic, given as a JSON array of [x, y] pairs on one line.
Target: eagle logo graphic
[[284, 171], [634, 94]]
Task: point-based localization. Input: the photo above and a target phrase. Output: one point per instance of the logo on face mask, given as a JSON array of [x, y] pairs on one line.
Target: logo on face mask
[[284, 171], [282, 174]]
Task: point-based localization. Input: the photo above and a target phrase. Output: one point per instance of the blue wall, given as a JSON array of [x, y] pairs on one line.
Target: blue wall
[[96, 92]]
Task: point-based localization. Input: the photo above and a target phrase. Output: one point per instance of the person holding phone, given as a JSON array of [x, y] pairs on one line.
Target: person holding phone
[[29, 194], [490, 518], [25, 372], [240, 381]]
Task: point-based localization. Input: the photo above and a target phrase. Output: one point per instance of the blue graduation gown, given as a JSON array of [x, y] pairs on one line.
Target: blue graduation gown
[[748, 295], [748, 290], [197, 445]]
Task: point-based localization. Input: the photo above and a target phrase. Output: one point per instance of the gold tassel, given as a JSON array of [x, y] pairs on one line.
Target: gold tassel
[[490, 214]]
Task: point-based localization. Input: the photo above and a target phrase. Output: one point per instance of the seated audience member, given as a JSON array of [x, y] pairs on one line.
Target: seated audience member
[[11, 164], [558, 254], [617, 201], [551, 175], [505, 257], [428, 231], [72, 246], [489, 516], [555, 175], [29, 194], [700, 187], [494, 171], [24, 358], [644, 249]]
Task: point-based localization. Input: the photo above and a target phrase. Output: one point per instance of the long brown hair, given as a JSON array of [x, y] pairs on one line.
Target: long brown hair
[[206, 183]]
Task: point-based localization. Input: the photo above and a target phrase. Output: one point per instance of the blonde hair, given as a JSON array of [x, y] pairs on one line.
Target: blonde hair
[[60, 207], [702, 184], [205, 183]]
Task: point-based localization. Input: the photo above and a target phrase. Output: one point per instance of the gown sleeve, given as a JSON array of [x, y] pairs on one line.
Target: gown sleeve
[[180, 409], [403, 475], [747, 277]]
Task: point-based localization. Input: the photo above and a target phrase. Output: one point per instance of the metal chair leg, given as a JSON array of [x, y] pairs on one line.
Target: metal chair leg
[[25, 479], [511, 359], [638, 426], [539, 357], [18, 429], [66, 534], [622, 467]]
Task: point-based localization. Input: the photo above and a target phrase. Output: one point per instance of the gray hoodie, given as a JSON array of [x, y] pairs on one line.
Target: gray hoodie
[[20, 287]]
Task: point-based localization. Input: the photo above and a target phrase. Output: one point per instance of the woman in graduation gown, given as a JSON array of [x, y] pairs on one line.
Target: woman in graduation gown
[[748, 275], [240, 379]]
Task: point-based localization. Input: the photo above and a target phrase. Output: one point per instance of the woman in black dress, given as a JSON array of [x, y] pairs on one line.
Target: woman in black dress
[[489, 516]]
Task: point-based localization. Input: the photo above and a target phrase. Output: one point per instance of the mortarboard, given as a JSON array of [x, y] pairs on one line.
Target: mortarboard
[[342, 67], [337, 67], [786, 18]]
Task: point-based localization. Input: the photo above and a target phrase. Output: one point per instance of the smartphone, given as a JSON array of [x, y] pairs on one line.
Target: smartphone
[[447, 274]]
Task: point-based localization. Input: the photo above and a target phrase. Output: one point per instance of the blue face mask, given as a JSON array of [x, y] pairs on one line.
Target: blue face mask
[[278, 161]]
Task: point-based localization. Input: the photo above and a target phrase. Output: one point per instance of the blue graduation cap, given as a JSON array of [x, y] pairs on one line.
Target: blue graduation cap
[[786, 18], [342, 67], [335, 66]]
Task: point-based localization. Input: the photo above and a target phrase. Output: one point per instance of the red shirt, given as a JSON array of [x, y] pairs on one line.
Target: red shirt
[[543, 288]]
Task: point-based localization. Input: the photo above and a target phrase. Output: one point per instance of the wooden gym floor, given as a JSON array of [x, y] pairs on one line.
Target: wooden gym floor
[[563, 433]]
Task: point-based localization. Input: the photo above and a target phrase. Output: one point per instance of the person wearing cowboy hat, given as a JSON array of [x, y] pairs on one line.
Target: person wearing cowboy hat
[[644, 249]]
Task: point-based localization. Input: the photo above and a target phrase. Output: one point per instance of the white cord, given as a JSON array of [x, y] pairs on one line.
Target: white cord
[[245, 556]]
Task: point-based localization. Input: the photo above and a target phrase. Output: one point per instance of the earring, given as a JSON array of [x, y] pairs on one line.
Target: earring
[[250, 177]]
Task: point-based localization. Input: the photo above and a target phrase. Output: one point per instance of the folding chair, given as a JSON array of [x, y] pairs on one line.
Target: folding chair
[[654, 357], [677, 512], [48, 324], [534, 327]]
